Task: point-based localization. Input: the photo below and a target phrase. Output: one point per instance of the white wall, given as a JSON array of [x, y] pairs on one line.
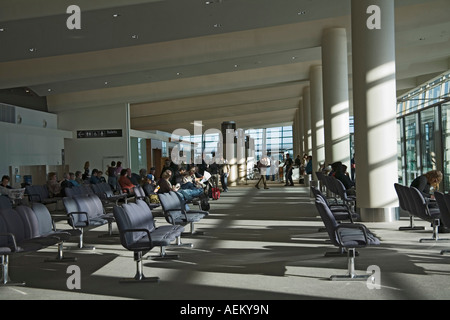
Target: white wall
[[95, 150], [30, 143]]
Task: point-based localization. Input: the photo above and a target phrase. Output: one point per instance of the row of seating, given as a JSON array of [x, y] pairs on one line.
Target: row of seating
[[412, 201], [336, 189], [28, 229]]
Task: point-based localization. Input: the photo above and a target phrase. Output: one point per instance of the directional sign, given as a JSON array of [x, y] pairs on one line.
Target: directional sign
[[110, 133]]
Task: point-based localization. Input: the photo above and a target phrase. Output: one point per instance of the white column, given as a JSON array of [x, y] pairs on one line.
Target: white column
[[374, 94], [307, 120], [317, 125], [335, 96]]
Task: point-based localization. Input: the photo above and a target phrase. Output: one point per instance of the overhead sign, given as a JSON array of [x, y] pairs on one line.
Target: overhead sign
[[114, 133]]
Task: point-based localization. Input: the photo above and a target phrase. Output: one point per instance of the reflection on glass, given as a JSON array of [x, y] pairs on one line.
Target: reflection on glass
[[428, 155], [446, 144], [411, 148]]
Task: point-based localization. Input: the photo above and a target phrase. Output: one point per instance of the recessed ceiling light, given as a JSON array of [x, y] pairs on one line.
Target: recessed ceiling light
[[2, 29], [106, 82], [178, 73], [116, 15], [49, 90], [236, 65], [32, 49]]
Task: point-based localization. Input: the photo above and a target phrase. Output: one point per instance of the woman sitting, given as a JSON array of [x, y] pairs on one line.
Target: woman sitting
[[427, 182]]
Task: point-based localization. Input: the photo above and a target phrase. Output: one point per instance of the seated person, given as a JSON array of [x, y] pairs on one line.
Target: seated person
[[342, 175], [94, 179], [73, 180], [125, 183], [426, 182], [53, 185], [165, 186], [79, 177], [189, 190], [101, 177], [151, 175], [66, 183], [5, 185]]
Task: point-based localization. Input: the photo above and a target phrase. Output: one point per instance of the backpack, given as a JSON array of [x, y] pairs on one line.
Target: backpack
[[215, 193], [205, 204]]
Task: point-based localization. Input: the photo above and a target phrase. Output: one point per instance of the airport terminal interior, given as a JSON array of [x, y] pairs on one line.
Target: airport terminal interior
[[318, 133]]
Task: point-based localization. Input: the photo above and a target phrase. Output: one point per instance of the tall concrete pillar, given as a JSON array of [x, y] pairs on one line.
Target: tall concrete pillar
[[317, 124], [336, 96], [374, 95], [307, 120], [229, 142]]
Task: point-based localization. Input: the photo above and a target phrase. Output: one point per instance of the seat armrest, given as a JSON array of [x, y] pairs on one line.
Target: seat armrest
[[123, 232], [13, 240], [71, 215], [356, 226]]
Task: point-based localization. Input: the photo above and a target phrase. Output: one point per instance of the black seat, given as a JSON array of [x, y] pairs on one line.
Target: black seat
[[405, 205], [47, 227], [105, 192], [341, 212], [139, 234], [420, 209], [443, 201], [86, 211], [348, 200], [39, 193], [346, 235], [5, 202], [177, 213]]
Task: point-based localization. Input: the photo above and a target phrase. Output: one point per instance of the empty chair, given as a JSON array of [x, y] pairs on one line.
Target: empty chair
[[47, 227], [78, 190], [105, 192], [341, 212], [420, 209], [405, 205], [176, 211], [39, 193], [443, 201], [87, 211], [138, 234], [346, 235], [5, 202]]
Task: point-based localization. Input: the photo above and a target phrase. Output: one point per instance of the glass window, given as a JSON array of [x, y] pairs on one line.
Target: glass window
[[411, 133], [446, 144], [428, 145]]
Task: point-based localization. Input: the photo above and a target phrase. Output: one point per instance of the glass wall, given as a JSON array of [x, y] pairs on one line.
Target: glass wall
[[445, 116], [424, 131]]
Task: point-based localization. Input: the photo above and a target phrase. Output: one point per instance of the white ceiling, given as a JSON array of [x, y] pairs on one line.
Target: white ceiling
[[179, 61]]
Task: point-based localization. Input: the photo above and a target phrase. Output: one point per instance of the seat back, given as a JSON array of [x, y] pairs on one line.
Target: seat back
[[91, 204], [3, 230], [329, 183], [14, 224], [71, 206], [139, 192], [328, 220], [30, 222], [148, 189], [171, 205], [37, 193], [419, 205], [44, 218], [5, 202], [400, 196], [443, 201], [340, 188], [127, 218], [103, 190]]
